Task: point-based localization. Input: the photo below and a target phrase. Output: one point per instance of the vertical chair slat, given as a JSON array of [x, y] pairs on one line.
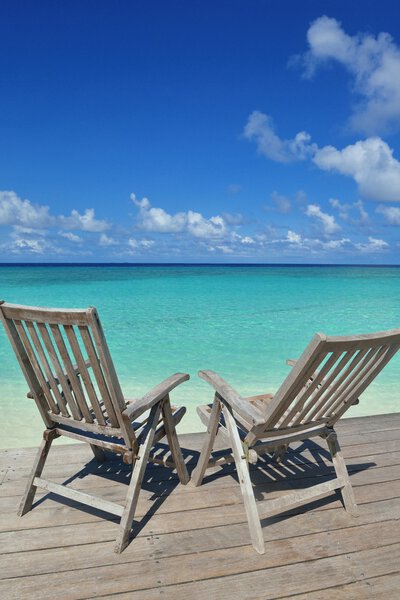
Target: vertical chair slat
[[91, 392], [27, 369], [98, 373], [110, 374], [106, 361], [65, 387], [365, 377], [47, 369], [301, 400], [39, 373], [313, 407], [340, 380], [72, 375], [353, 373], [294, 382]]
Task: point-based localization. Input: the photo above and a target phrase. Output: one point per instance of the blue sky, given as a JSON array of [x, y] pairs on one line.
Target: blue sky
[[228, 131]]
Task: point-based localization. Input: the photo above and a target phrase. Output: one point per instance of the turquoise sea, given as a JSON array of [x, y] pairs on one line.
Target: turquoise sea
[[242, 321]]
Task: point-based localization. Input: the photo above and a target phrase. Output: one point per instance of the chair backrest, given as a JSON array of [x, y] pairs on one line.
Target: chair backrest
[[329, 377], [66, 362]]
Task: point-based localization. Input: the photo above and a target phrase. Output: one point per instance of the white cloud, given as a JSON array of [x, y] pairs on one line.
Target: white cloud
[[247, 240], [84, 222], [373, 62], [225, 249], [233, 219], [72, 237], [335, 244], [259, 128], [140, 244], [391, 214], [373, 245], [199, 226], [33, 246], [344, 244], [23, 213], [19, 229], [293, 237], [346, 209], [158, 220], [105, 240], [15, 211], [328, 222], [369, 162]]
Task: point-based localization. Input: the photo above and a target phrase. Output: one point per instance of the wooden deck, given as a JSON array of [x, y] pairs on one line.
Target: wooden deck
[[193, 543]]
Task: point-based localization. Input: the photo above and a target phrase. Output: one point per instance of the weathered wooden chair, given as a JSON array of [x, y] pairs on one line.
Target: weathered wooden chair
[[67, 365], [323, 383]]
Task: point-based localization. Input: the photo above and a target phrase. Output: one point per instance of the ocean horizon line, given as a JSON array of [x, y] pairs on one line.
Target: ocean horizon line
[[191, 264]]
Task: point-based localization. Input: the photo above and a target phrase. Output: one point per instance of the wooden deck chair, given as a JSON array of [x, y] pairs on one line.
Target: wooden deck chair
[[67, 365], [326, 380]]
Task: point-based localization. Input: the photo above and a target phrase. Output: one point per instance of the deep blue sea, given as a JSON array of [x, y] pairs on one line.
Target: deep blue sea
[[241, 321]]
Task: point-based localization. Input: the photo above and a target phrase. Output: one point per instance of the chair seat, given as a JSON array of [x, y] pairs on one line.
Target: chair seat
[[261, 401]]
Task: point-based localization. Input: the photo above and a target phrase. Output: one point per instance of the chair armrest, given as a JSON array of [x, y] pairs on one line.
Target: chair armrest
[[140, 405], [248, 412]]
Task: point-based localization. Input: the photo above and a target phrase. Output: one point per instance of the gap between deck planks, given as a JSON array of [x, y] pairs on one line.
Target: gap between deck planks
[[202, 536]]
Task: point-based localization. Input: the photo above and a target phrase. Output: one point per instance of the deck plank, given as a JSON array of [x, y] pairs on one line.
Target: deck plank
[[194, 542]]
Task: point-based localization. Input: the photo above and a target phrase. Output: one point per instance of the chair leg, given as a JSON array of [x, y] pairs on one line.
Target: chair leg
[[41, 456], [136, 479], [246, 487], [279, 453], [99, 453], [173, 442], [199, 471], [341, 471]]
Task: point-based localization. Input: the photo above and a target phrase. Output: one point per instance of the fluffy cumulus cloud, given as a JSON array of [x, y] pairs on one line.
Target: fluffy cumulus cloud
[[25, 245], [315, 246], [373, 245], [15, 211], [326, 221], [106, 240], [84, 222], [140, 244], [369, 162], [293, 237], [390, 213], [159, 221], [374, 64], [32, 229], [72, 237], [260, 129]]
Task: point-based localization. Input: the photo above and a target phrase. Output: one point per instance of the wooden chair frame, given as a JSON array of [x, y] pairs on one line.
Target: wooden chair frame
[[326, 380], [84, 401]]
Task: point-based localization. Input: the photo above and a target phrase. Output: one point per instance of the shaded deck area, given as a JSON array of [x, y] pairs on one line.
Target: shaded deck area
[[193, 543]]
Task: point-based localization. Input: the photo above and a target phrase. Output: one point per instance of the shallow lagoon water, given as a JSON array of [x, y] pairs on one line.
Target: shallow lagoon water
[[241, 321]]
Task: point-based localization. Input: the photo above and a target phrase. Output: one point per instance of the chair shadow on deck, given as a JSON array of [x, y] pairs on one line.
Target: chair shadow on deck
[[158, 479], [298, 470]]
